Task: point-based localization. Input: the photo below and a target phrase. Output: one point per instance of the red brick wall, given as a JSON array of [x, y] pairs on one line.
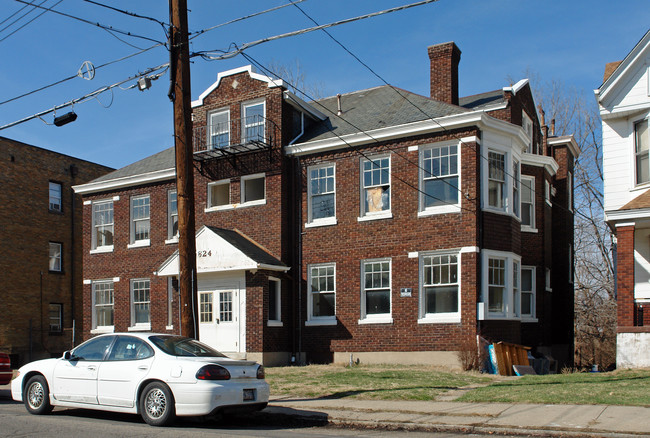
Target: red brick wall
[[625, 275]]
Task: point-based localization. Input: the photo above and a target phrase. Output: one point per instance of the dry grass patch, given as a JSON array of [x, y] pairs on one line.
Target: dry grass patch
[[380, 382]]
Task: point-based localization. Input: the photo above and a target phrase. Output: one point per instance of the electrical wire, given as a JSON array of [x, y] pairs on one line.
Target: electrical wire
[[356, 149], [86, 97], [76, 75], [35, 6], [18, 19], [18, 11], [96, 24], [255, 14], [211, 54], [131, 14]]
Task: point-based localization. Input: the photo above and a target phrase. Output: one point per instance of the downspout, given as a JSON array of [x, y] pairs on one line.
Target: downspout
[[298, 228], [72, 266], [302, 130]]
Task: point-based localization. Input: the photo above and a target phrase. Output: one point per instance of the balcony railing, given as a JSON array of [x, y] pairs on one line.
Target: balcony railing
[[234, 136]]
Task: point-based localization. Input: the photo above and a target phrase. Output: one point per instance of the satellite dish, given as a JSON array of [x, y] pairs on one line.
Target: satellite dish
[[86, 71]]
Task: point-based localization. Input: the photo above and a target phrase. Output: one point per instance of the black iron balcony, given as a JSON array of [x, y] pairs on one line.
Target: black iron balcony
[[230, 137]]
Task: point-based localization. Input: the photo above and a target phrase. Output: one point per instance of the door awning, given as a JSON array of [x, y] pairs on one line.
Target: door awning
[[221, 250]]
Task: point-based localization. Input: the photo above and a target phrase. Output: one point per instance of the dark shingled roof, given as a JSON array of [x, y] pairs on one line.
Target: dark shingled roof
[[247, 246], [375, 108], [161, 161], [483, 100]]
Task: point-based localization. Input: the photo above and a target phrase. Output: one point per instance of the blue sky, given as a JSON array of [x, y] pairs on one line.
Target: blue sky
[[568, 41]]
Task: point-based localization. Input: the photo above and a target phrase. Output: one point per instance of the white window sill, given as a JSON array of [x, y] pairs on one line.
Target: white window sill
[[171, 241], [169, 327], [440, 319], [527, 229], [274, 323], [443, 209], [315, 322], [139, 244], [322, 222], [376, 216], [220, 208], [376, 320], [140, 328], [252, 203], [500, 211], [102, 250], [100, 330]]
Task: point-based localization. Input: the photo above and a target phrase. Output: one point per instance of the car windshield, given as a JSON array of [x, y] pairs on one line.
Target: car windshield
[[188, 347]]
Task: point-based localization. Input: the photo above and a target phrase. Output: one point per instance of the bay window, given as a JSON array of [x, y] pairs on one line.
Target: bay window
[[496, 180], [528, 202], [501, 294]]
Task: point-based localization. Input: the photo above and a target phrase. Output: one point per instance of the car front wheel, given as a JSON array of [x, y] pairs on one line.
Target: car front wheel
[[157, 404], [37, 396]]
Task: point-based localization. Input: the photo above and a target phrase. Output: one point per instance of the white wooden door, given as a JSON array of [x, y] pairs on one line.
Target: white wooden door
[[219, 319]]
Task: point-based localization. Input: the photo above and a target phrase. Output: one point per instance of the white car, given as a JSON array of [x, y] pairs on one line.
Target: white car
[[156, 375]]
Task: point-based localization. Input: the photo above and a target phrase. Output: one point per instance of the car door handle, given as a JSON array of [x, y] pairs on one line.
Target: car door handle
[[143, 367], [91, 368]]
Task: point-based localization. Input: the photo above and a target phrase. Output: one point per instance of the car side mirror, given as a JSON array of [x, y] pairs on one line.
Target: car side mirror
[[69, 356]]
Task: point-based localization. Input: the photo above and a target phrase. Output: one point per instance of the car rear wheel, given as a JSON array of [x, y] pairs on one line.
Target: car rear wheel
[[37, 396], [157, 404]]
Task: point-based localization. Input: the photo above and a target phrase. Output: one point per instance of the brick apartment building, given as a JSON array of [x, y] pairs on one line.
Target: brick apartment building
[[40, 237], [371, 224]]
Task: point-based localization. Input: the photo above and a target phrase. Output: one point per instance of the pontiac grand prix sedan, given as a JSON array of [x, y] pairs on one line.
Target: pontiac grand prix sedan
[[156, 375]]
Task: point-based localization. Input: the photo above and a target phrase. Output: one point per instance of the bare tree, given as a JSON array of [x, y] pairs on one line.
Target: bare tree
[[295, 80], [595, 305]]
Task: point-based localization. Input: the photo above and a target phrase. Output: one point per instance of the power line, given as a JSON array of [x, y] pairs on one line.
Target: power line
[[255, 14], [212, 54], [18, 11], [86, 97], [35, 6], [96, 24], [131, 14], [355, 149], [77, 75]]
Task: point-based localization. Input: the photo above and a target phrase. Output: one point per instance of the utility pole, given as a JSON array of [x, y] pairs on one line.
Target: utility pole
[[179, 94]]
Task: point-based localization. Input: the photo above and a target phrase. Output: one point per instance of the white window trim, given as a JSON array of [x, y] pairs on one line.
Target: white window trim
[[142, 242], [245, 105], [636, 185], [60, 198], [547, 280], [326, 220], [209, 130], [93, 244], [229, 206], [319, 320], [170, 303], [510, 155], [439, 318], [60, 258], [547, 193], [440, 209], [174, 238], [278, 303], [527, 125], [142, 326], [381, 318], [509, 258], [528, 228], [243, 190], [530, 317], [102, 328], [384, 214]]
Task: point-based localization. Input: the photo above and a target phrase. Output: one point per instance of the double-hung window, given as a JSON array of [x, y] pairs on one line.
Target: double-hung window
[[497, 285], [528, 292], [219, 129], [219, 194], [254, 122], [375, 183], [439, 185], [55, 263], [322, 194], [376, 291], [102, 225], [275, 314], [102, 305], [528, 202], [172, 215], [140, 304], [641, 148], [527, 124], [56, 317], [516, 290], [501, 294], [140, 223], [322, 294], [496, 180], [515, 188], [55, 203], [440, 287]]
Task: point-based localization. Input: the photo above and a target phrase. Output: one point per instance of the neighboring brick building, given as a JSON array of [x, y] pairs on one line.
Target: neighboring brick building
[[370, 224], [624, 101], [40, 237]]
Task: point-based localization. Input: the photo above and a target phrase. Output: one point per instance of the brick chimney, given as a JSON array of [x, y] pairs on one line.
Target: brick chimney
[[444, 58]]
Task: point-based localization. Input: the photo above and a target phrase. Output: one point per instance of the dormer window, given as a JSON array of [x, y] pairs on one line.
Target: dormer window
[[642, 145]]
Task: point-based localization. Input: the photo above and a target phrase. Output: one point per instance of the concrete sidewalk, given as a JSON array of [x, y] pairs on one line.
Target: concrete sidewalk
[[488, 418]]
